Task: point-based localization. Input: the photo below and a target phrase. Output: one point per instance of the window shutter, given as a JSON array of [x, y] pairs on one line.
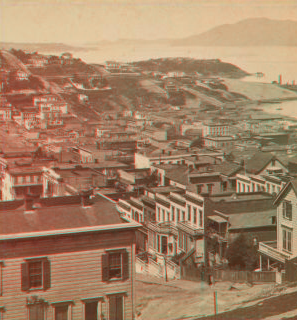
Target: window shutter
[[25, 276], [46, 274], [125, 265], [105, 267]]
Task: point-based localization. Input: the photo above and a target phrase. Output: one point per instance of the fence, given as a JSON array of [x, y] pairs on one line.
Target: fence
[[244, 276], [194, 274]]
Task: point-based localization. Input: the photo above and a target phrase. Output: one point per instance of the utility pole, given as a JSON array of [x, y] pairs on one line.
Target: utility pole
[[166, 280], [215, 303]]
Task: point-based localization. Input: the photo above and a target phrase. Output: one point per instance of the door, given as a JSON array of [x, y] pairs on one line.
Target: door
[[116, 308], [164, 245], [91, 310], [61, 313]]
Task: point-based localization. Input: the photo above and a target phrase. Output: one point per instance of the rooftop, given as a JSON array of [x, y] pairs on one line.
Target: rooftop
[[252, 219], [58, 213]]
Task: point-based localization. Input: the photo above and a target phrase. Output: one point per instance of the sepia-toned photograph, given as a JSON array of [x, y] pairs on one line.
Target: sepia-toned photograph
[[148, 159]]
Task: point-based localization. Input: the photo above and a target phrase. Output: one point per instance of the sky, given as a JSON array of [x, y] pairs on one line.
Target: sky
[[90, 21]]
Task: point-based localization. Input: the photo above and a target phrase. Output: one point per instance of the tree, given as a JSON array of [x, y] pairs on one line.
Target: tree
[[242, 253]]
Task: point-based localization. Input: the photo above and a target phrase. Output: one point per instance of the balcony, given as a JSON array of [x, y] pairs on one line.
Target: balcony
[[190, 228], [220, 236], [269, 248], [163, 228]]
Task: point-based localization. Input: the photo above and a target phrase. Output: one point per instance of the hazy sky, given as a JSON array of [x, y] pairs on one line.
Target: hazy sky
[[72, 21]]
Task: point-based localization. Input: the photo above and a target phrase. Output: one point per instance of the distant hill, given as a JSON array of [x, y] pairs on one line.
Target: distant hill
[[250, 32], [43, 47], [214, 67]]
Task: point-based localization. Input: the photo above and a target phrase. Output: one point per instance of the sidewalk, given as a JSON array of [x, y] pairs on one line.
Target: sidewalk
[[181, 284]]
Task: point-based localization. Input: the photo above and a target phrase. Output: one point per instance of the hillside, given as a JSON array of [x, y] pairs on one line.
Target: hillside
[[205, 67], [250, 32]]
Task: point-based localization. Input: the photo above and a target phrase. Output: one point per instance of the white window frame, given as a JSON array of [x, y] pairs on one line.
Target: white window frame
[[285, 240]]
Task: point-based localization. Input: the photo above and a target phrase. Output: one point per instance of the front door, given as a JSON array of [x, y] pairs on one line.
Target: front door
[[164, 245]]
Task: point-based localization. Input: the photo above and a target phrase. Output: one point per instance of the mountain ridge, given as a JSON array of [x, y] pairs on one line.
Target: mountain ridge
[[248, 32]]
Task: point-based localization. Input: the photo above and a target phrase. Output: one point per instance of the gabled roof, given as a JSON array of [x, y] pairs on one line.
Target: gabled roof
[[290, 185], [258, 162], [227, 168]]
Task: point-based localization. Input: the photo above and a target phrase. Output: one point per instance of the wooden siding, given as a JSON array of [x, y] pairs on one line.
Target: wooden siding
[[283, 222], [76, 272]]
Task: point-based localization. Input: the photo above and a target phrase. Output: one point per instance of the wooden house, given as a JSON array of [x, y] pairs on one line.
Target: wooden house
[[66, 258]]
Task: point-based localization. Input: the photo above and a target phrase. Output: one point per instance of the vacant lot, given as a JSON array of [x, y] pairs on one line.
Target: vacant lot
[[181, 299]]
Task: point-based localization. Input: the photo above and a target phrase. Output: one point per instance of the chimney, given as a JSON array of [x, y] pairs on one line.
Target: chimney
[[85, 197], [29, 201]]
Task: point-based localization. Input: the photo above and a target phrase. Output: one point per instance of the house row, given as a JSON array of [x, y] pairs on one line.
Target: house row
[[178, 222]]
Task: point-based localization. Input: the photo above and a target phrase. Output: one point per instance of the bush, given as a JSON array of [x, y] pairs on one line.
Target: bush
[[242, 254]]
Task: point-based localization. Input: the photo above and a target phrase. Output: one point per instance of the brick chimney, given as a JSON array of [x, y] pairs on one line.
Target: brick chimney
[[85, 197]]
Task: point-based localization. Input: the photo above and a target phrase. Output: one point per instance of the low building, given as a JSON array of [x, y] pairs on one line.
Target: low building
[[20, 175], [215, 129], [62, 260], [70, 180]]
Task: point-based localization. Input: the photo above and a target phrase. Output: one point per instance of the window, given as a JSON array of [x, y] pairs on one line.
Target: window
[[36, 311], [163, 215], [178, 215], [184, 215], [115, 265], [209, 188], [180, 239], [224, 186], [200, 218], [36, 274], [287, 210], [61, 312], [195, 215], [172, 214], [189, 212], [116, 307], [159, 214], [199, 188], [287, 240]]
